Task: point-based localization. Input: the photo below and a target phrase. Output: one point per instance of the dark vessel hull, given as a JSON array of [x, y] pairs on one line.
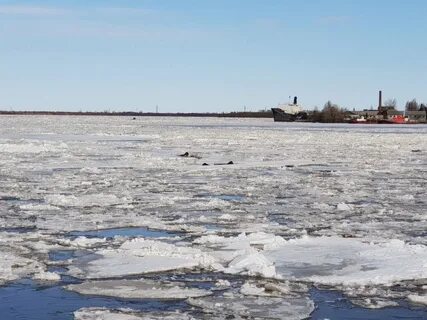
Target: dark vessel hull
[[281, 116]]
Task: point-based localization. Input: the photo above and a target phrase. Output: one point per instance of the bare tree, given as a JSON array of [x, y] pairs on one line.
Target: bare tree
[[315, 115], [332, 113], [412, 105], [391, 103]]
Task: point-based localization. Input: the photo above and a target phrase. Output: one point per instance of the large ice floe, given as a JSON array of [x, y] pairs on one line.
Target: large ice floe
[[347, 261], [256, 307], [138, 289], [139, 256], [322, 260], [127, 314]]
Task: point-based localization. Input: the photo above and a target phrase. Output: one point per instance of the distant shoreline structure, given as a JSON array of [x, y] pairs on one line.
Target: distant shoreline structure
[[331, 113]]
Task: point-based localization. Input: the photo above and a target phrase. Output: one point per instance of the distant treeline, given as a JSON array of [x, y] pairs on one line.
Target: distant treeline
[[331, 113], [246, 114]]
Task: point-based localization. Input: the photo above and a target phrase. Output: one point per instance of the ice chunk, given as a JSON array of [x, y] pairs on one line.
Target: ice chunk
[[126, 314], [418, 299], [14, 266], [47, 276], [138, 289], [344, 207], [237, 305], [138, 256], [37, 207], [242, 241], [266, 289], [83, 242], [222, 283], [252, 264], [243, 254], [249, 289], [374, 303], [227, 217], [85, 200], [348, 261]]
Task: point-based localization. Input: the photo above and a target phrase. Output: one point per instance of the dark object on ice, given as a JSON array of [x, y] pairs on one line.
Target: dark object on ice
[[346, 235], [224, 164], [205, 164], [416, 150], [134, 118], [289, 166], [187, 155]]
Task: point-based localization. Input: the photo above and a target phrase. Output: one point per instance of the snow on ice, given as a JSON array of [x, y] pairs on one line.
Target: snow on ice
[[138, 289], [336, 205]]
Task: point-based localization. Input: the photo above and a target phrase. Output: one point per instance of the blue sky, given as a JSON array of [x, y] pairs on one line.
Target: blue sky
[[210, 55]]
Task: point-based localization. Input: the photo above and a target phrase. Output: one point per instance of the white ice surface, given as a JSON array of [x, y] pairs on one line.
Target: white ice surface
[[138, 289], [139, 256], [61, 174], [347, 261], [13, 266], [126, 314], [236, 305], [418, 299], [241, 254]]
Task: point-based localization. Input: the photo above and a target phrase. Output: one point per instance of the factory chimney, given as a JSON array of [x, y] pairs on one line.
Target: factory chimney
[[380, 100], [295, 100]]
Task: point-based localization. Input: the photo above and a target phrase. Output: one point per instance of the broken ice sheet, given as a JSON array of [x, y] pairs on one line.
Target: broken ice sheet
[[138, 289], [238, 305], [139, 256], [14, 266], [127, 314], [349, 261], [418, 299]]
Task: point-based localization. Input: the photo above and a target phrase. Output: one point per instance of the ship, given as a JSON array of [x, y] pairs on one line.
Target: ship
[[289, 112]]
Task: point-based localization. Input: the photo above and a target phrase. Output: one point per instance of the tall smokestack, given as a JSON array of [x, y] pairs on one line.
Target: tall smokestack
[[380, 99], [295, 100]]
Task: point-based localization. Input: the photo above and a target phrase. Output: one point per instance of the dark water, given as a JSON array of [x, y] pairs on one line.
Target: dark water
[[27, 301], [60, 255], [124, 232], [334, 306], [18, 229]]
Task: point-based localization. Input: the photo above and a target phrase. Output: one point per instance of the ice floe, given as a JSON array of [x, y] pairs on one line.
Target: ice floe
[[139, 256], [14, 266], [256, 307], [127, 314], [138, 289], [86, 200], [83, 242], [418, 299], [349, 261]]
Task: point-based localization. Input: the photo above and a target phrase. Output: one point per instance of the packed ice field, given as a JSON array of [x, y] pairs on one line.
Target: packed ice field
[[107, 216]]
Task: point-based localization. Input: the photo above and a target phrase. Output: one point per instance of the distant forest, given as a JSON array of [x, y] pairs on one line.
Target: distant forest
[[245, 114]]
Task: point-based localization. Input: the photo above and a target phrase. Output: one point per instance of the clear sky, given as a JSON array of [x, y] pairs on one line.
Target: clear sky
[[210, 55]]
